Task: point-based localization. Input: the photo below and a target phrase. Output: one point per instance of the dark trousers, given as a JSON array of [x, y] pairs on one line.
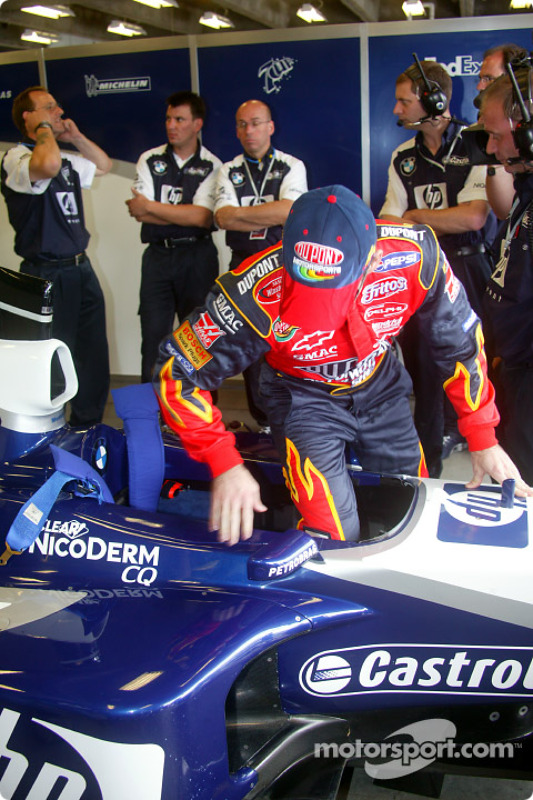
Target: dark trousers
[[312, 430], [428, 393], [174, 281], [434, 415], [79, 321], [514, 399]]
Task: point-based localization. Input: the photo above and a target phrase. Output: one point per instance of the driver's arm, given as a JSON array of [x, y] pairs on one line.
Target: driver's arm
[[193, 361]]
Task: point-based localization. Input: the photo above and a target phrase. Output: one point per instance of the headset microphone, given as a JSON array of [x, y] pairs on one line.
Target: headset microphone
[[413, 124], [523, 132], [433, 99]]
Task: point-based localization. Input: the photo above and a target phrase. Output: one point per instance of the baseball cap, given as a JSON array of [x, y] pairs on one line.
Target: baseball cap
[[328, 239]]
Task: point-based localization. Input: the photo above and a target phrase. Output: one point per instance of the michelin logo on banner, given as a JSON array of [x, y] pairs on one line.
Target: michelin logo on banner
[[94, 86]]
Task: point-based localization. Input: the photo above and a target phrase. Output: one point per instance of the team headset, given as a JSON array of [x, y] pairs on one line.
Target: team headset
[[520, 75], [433, 100]]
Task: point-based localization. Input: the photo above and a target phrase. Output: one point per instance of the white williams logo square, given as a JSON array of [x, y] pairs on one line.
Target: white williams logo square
[[68, 204]]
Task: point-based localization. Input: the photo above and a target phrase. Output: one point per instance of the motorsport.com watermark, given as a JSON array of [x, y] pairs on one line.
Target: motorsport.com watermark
[[421, 743]]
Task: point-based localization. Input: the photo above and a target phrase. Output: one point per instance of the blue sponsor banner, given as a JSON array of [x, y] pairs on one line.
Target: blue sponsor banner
[[119, 100], [313, 89], [460, 53], [14, 78]]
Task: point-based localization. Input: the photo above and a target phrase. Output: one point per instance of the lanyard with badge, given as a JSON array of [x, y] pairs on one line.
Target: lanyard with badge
[[498, 276], [258, 199]]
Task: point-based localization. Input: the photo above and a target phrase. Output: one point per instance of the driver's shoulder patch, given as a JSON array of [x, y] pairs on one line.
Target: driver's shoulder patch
[[254, 288]]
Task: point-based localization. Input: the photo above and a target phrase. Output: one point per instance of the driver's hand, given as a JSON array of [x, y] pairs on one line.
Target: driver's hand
[[495, 462], [235, 496]]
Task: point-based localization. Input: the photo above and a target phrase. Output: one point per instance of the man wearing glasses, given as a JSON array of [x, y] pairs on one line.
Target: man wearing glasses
[[255, 193], [256, 190], [499, 185], [42, 186]]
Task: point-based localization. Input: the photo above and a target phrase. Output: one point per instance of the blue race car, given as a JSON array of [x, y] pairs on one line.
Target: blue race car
[[142, 660]]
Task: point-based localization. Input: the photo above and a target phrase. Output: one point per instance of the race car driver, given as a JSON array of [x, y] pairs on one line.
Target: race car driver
[[323, 306]]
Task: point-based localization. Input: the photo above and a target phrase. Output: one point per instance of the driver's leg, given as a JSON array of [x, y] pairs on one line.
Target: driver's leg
[[311, 430]]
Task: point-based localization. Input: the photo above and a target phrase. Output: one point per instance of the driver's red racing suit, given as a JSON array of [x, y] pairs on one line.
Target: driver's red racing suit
[[327, 389]]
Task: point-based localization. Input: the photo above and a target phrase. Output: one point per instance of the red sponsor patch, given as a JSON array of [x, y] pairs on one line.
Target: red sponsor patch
[[452, 285], [207, 330], [269, 290]]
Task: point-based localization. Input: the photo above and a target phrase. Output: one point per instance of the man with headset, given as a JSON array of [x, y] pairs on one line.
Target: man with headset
[[500, 190], [506, 114], [431, 181]]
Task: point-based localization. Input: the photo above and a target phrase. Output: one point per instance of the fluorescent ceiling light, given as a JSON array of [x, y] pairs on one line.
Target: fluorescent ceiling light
[[521, 4], [413, 8], [51, 12], [309, 13], [125, 28], [216, 21], [159, 3], [39, 37]]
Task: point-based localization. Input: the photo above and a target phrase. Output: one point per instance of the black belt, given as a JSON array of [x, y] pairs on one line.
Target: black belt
[[179, 242], [71, 261], [470, 250]]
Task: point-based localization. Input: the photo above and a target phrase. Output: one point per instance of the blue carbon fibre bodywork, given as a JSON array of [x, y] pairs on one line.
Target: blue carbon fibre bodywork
[[141, 659]]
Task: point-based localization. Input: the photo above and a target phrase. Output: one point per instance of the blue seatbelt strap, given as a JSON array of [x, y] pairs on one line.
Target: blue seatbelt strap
[[138, 408], [31, 518]]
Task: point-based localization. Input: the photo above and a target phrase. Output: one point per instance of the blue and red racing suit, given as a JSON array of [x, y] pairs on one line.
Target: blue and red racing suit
[[328, 389]]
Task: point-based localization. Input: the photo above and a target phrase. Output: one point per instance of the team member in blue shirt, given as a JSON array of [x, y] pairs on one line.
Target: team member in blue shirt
[[42, 186]]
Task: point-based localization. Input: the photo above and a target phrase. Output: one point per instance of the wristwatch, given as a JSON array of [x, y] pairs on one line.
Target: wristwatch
[[43, 124], [491, 171]]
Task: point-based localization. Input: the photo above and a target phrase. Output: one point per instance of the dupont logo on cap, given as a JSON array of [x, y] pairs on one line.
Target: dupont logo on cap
[[318, 253], [317, 261], [328, 238]]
